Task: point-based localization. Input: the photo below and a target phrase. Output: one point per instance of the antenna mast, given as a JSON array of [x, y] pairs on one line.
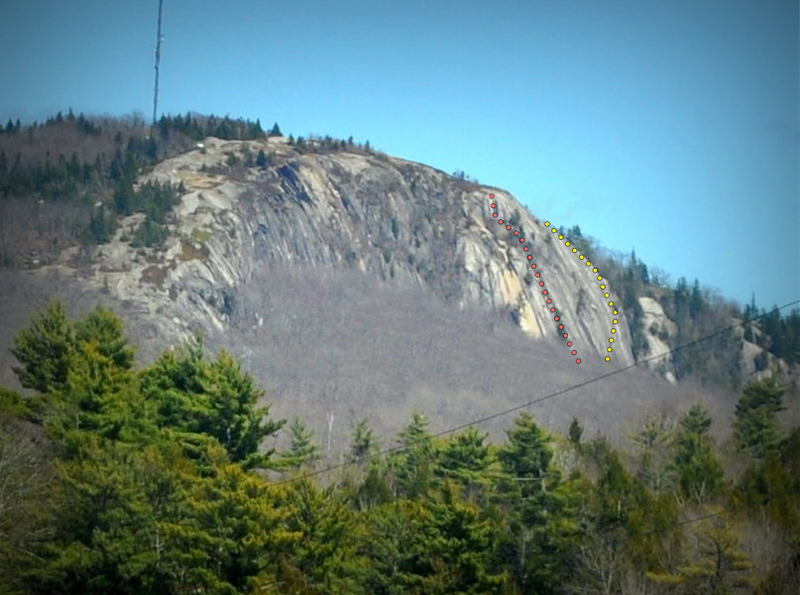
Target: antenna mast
[[158, 59]]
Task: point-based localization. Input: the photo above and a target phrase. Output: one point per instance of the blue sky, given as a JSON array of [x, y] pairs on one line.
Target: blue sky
[[668, 127]]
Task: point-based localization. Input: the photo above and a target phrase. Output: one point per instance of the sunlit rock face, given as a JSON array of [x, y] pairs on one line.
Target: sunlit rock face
[[392, 219]]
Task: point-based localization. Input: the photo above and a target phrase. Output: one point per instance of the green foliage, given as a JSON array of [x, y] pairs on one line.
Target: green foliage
[[216, 399], [713, 563], [139, 481], [698, 471], [304, 451], [756, 425], [414, 466], [575, 432], [149, 233], [101, 226], [44, 349], [363, 442]]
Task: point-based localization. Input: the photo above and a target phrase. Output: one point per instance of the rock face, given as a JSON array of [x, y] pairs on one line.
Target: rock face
[[658, 330], [353, 284], [389, 218]]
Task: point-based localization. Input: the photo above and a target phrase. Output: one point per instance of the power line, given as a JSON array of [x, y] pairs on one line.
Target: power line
[[538, 400]]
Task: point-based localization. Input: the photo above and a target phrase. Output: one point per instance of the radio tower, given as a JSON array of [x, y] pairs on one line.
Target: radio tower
[[158, 59]]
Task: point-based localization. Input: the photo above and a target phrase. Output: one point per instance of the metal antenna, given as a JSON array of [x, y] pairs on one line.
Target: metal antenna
[[158, 59]]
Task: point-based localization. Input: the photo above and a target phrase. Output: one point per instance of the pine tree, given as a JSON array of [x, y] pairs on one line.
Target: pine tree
[[575, 432], [756, 425], [698, 471], [45, 349], [233, 417], [303, 450], [261, 159], [414, 465], [363, 442]]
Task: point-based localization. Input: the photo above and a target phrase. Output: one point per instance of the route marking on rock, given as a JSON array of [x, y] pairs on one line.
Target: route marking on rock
[[606, 294], [557, 316]]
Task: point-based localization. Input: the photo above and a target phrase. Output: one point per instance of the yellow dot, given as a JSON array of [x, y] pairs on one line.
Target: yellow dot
[[613, 330], [610, 349], [602, 286], [574, 249], [588, 264], [560, 237], [611, 340], [605, 294], [547, 224], [616, 321], [567, 243], [610, 303], [599, 277], [615, 312], [581, 256], [594, 270], [608, 359]]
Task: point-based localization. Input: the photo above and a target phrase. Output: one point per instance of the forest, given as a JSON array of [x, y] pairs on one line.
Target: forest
[[168, 478]]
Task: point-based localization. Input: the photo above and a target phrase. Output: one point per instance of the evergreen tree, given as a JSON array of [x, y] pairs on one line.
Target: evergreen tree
[[698, 471], [575, 432], [261, 159], [414, 465], [465, 457], [756, 425], [45, 349], [363, 442], [303, 450]]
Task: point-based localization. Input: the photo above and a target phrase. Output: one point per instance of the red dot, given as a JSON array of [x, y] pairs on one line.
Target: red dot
[[541, 283], [522, 239], [491, 196], [533, 267], [494, 205], [500, 222], [556, 318], [530, 258], [525, 248], [577, 361], [574, 352], [569, 344], [553, 310], [537, 274], [494, 214], [508, 227], [549, 301], [561, 327], [565, 335], [544, 292], [516, 232]]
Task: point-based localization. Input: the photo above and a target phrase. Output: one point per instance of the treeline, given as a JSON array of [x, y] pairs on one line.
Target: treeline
[[776, 333], [159, 480], [83, 161], [697, 313]]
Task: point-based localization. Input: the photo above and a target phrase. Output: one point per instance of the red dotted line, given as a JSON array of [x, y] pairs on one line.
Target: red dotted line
[[545, 293]]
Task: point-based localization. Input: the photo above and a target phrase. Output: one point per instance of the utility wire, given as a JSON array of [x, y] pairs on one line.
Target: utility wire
[[538, 400]]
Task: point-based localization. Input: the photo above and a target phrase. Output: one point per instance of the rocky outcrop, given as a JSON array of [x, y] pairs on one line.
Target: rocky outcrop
[[384, 216], [658, 330]]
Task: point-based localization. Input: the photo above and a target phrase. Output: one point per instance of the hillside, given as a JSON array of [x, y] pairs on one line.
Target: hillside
[[346, 278], [304, 366]]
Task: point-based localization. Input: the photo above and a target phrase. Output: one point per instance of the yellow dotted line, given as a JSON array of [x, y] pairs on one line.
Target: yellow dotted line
[[602, 287]]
